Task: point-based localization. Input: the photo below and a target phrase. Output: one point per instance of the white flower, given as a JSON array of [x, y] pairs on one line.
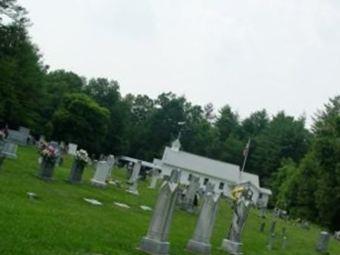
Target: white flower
[[82, 156]]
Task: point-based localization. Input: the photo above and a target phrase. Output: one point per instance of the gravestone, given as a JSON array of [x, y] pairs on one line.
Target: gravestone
[[156, 240], [19, 136], [134, 178], [272, 227], [100, 176], [242, 203], [111, 162], [271, 236], [322, 243], [56, 147], [155, 173], [200, 242], [9, 150], [187, 202], [46, 168], [72, 148], [129, 169], [24, 131], [133, 188], [76, 172], [337, 235], [47, 161], [135, 172]]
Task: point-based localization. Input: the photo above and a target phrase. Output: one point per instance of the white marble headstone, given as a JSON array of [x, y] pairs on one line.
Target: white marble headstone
[[17, 137], [10, 150], [110, 162], [72, 148], [155, 174], [100, 176]]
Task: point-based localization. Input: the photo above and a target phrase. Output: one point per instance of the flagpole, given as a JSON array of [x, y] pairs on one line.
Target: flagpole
[[245, 159]]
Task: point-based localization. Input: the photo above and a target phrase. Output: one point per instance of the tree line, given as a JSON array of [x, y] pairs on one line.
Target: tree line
[[300, 165]]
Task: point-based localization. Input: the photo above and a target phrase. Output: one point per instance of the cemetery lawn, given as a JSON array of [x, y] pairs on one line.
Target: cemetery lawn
[[60, 222]]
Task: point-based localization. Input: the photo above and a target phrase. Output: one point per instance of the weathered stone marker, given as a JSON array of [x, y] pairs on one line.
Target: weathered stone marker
[[242, 203], [111, 162], [48, 157], [9, 150], [271, 236], [129, 169], [76, 172], [188, 200], [155, 173], [135, 172], [200, 242], [272, 227], [20, 136], [46, 169], [156, 240], [134, 178], [322, 243]]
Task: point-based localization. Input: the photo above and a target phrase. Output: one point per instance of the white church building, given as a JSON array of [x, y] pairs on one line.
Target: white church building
[[223, 175]]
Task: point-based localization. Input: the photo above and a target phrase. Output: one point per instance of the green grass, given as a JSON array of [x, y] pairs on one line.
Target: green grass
[[61, 223]]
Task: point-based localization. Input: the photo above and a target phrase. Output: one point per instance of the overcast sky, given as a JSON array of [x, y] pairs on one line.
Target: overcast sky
[[273, 54]]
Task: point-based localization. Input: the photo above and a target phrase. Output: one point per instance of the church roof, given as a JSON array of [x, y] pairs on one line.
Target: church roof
[[202, 165]]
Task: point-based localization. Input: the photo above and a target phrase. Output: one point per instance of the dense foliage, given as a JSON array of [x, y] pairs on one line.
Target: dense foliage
[[301, 167], [311, 189]]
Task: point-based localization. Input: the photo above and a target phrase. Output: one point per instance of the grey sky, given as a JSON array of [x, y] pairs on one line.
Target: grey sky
[[273, 54]]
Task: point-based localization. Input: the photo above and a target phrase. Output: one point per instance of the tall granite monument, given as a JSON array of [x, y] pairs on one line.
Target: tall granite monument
[[156, 240], [200, 242]]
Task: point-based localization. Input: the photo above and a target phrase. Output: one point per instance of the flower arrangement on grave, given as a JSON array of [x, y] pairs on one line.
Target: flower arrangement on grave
[[48, 158], [48, 153], [82, 157]]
